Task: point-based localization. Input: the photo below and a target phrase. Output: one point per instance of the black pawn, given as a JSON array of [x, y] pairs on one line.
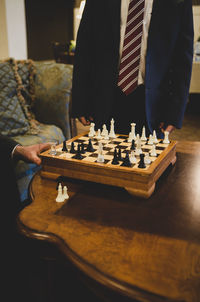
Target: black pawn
[[115, 158], [133, 145], [82, 148], [64, 148], [126, 160], [120, 154], [72, 150], [78, 153], [89, 146], [142, 163]]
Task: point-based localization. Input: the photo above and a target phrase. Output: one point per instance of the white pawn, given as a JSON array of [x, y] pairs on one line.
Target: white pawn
[[155, 140], [143, 137], [92, 131], [132, 158], [112, 131], [59, 197], [147, 159], [103, 133], [65, 194], [166, 138], [100, 158], [99, 134], [130, 137], [153, 151], [150, 141], [106, 137]]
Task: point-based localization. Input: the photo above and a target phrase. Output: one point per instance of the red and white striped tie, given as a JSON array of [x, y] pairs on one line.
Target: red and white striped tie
[[130, 59]]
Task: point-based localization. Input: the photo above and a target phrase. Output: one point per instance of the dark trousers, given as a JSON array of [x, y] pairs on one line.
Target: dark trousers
[[129, 109]]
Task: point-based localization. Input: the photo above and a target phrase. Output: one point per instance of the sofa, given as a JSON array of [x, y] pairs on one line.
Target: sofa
[[34, 107]]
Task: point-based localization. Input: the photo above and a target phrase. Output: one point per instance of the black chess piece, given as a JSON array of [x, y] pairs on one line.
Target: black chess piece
[[89, 146], [64, 148], [115, 158], [78, 153], [119, 154], [133, 145], [142, 163], [82, 148], [126, 160], [72, 150]]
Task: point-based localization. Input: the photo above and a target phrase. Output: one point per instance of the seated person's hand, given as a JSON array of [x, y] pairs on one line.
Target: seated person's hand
[[85, 120], [31, 153]]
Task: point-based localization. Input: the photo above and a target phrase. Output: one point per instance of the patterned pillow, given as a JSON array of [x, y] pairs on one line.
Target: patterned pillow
[[12, 118]]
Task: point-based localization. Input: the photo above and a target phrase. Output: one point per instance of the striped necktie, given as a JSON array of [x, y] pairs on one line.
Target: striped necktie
[[130, 59]]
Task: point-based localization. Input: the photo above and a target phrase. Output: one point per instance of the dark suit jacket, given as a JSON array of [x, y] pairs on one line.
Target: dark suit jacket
[[168, 61], [10, 200]]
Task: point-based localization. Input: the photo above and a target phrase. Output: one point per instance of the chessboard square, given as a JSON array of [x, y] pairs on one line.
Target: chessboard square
[[160, 148], [108, 157], [122, 147], [95, 155], [89, 159], [78, 141], [106, 161], [124, 137], [111, 153], [107, 148]]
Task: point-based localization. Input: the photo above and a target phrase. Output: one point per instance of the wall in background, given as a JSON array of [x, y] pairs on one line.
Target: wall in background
[[48, 21], [3, 32], [13, 29], [196, 16]]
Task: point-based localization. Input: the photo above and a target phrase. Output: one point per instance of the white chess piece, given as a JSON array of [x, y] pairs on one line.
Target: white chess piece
[[166, 138], [106, 137], [65, 194], [155, 140], [130, 137], [59, 197], [137, 138], [100, 158], [103, 133], [147, 159], [153, 151], [112, 130], [138, 149], [143, 137], [92, 132], [133, 130], [150, 141], [132, 158], [99, 134]]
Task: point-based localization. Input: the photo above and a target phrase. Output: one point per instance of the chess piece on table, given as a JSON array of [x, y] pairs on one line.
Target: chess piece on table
[[112, 130], [65, 194], [166, 138], [60, 197], [143, 137], [64, 148], [100, 158]]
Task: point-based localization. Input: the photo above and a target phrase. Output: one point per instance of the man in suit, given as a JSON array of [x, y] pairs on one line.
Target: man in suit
[[13, 272], [160, 98]]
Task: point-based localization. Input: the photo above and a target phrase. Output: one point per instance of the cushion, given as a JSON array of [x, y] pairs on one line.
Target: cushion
[[12, 117], [53, 83]]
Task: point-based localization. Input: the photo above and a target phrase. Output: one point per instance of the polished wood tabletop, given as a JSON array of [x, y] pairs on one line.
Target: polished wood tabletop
[[145, 249]]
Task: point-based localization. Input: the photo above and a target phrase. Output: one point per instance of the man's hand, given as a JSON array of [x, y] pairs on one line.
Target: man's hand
[[85, 121], [31, 153], [169, 128]]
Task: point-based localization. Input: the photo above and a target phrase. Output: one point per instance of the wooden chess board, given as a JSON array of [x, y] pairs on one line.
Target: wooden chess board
[[137, 181]]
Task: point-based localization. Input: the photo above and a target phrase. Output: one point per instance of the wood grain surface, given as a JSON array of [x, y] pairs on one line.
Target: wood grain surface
[[146, 249]]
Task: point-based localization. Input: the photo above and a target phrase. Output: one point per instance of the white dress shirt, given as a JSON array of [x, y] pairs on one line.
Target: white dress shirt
[[146, 22]]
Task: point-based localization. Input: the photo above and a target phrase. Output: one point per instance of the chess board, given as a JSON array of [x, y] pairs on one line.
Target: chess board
[[137, 181]]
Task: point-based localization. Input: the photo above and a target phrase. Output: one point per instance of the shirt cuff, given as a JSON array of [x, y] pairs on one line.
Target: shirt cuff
[[12, 153]]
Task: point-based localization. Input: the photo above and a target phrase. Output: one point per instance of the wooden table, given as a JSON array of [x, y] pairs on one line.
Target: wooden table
[[143, 249]]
